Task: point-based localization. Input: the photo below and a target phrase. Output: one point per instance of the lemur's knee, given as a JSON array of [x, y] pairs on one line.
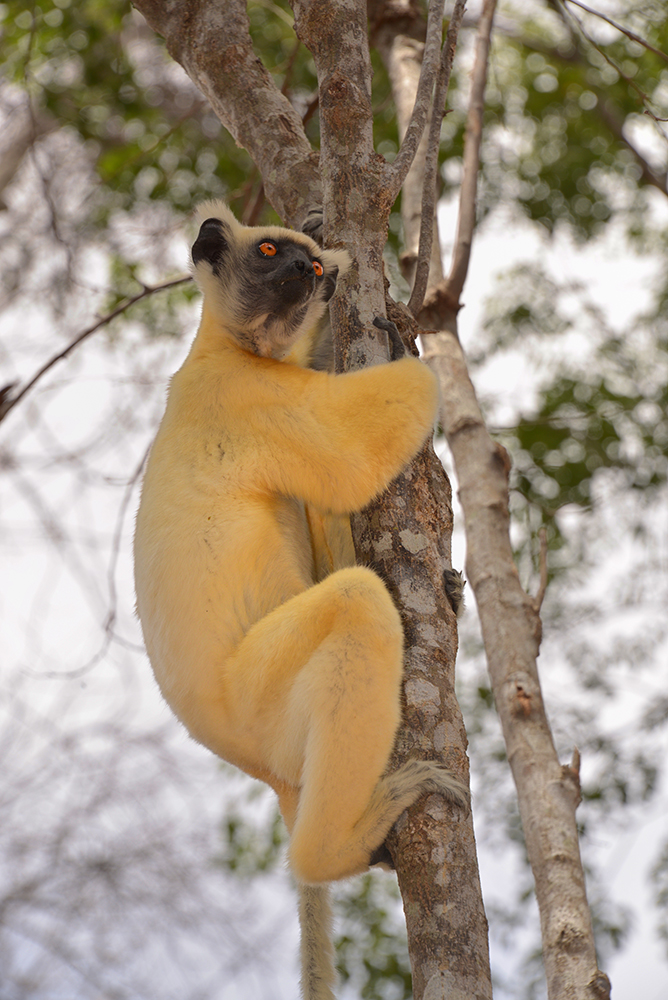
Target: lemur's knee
[[365, 602], [313, 868]]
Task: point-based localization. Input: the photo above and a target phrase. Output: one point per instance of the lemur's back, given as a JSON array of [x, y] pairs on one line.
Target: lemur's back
[[215, 551]]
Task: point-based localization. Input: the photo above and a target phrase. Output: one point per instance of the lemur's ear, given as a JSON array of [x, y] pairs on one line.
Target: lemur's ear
[[212, 244]]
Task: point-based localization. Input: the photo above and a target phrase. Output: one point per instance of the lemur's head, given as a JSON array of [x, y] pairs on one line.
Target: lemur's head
[[266, 285]]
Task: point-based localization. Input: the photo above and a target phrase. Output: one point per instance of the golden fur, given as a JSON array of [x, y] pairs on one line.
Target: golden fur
[[276, 651]]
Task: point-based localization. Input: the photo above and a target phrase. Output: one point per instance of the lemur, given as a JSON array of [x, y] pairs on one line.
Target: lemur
[[271, 646]]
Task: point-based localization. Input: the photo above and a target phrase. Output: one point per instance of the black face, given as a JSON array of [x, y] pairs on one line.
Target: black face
[[274, 276], [284, 267], [280, 280]]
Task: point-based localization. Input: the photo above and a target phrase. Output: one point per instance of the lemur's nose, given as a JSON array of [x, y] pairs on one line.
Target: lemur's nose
[[304, 267]]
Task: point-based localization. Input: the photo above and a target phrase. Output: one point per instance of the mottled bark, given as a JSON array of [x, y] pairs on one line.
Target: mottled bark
[[355, 202], [359, 186], [405, 536], [211, 40], [548, 794], [398, 32]]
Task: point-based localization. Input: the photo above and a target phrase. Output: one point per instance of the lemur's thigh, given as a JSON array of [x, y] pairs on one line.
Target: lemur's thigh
[[323, 654], [318, 680]]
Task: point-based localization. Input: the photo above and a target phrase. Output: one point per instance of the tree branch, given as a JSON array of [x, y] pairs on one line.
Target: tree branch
[[212, 42], [511, 631], [9, 400], [625, 31], [509, 618], [429, 187], [405, 534], [542, 588], [398, 32], [355, 200], [396, 173], [616, 127], [467, 196], [611, 62]]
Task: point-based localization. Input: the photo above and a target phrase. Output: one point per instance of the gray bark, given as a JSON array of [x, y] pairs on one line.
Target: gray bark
[[548, 794]]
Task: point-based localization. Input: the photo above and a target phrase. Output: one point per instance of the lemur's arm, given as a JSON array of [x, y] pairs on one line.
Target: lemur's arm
[[344, 437], [334, 441]]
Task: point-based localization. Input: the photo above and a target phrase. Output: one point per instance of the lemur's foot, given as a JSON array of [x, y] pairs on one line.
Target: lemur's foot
[[405, 785], [454, 584]]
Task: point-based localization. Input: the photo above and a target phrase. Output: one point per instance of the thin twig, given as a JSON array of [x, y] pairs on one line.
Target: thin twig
[[396, 173], [645, 100], [542, 586], [431, 161], [602, 107], [287, 79], [10, 403], [250, 216], [236, 83], [109, 634], [575, 761], [110, 620], [625, 31], [311, 109], [467, 194]]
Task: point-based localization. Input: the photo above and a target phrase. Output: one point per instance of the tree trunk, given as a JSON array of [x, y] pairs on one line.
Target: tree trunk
[[405, 536]]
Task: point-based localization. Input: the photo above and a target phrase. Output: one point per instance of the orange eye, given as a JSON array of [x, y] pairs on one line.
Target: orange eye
[[268, 249], [318, 268]]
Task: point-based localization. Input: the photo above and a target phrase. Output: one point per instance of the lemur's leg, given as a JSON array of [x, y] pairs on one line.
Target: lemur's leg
[[315, 686]]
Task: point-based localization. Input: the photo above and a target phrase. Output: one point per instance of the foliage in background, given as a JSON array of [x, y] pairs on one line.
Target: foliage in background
[[107, 146]]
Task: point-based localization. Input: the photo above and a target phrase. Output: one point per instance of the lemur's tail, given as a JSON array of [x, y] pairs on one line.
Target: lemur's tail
[[317, 949]]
